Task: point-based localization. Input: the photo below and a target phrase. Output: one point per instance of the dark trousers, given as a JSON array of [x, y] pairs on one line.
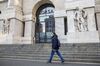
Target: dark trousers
[[58, 53]]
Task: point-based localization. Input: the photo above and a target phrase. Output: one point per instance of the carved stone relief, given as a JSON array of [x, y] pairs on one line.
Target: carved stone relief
[[80, 20], [6, 26]]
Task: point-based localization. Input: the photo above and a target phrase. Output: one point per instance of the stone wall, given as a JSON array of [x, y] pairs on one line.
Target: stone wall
[[59, 4], [72, 36], [97, 10], [20, 13], [3, 6]]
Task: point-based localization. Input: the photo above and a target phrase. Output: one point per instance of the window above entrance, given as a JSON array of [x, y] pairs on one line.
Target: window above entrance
[[48, 11], [45, 23]]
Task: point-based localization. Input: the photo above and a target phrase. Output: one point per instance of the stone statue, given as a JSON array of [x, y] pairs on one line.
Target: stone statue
[[85, 22], [6, 26], [76, 19], [80, 20]]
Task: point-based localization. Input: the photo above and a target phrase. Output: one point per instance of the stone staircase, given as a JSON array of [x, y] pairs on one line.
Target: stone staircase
[[81, 52]]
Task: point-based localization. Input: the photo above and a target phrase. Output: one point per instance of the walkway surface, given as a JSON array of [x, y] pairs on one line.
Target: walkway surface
[[14, 62]]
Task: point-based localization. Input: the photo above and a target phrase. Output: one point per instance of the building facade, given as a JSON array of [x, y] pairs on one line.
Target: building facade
[[33, 21]]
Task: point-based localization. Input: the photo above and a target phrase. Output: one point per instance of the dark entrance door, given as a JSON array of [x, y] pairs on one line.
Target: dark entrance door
[[45, 24]]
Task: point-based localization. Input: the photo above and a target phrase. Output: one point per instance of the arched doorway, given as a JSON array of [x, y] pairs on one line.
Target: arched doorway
[[45, 23]]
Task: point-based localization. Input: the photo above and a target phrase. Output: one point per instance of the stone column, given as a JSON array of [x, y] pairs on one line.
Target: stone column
[[70, 21], [16, 25], [16, 30], [1, 26], [98, 22], [59, 25], [60, 29], [16, 21], [12, 26], [29, 31], [59, 21], [10, 3], [97, 14]]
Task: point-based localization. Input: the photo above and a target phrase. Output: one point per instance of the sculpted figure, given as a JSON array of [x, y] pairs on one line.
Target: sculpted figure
[[6, 25], [80, 20]]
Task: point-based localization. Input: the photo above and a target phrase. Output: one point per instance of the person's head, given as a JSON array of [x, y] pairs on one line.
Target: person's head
[[54, 33]]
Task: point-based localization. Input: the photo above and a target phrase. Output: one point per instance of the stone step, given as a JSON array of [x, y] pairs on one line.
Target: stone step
[[62, 47], [45, 59], [71, 50], [26, 50], [47, 53], [49, 45], [41, 52], [43, 55], [60, 51]]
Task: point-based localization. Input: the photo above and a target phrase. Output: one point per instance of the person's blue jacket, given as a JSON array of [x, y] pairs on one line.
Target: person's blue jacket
[[55, 42]]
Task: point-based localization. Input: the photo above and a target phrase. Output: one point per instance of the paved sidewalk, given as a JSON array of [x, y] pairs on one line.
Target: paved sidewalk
[[13, 62]]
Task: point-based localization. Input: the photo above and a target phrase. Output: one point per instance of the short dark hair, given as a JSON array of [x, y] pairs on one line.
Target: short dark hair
[[0, 12], [54, 33]]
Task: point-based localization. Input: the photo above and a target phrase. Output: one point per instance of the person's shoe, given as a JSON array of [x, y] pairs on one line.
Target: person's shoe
[[48, 62], [62, 61]]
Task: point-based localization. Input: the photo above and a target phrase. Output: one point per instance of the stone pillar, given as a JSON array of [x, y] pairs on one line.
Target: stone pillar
[[59, 21], [29, 32], [98, 22], [70, 21], [91, 19], [10, 3], [1, 26], [16, 30], [97, 14], [29, 29], [17, 17], [12, 26], [59, 24], [60, 29]]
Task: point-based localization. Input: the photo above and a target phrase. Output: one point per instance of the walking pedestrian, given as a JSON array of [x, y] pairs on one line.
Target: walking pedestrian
[[55, 48]]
